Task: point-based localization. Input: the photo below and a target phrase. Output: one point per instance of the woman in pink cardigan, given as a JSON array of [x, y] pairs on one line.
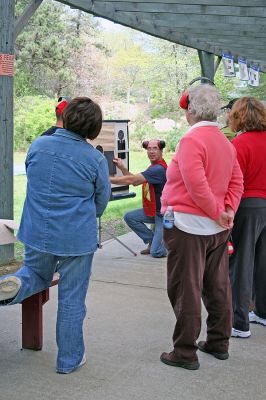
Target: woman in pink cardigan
[[204, 187]]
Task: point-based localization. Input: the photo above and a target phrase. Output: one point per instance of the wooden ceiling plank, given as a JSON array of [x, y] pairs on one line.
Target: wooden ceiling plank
[[209, 24], [239, 3], [129, 6], [193, 18], [224, 33]]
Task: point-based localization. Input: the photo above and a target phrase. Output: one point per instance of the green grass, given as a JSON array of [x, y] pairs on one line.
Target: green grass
[[114, 211], [19, 197], [19, 158]]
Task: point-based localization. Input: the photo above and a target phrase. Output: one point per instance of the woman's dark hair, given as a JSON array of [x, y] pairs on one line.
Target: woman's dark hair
[[247, 114], [83, 117]]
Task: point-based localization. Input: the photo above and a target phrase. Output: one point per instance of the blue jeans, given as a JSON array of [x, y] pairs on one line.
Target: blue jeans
[[137, 219], [36, 275]]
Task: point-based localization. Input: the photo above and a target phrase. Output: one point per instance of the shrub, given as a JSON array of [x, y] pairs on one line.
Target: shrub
[[173, 137], [32, 116]]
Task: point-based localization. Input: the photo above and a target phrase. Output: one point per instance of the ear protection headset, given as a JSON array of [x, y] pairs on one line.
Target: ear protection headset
[[184, 99], [64, 98], [160, 143]]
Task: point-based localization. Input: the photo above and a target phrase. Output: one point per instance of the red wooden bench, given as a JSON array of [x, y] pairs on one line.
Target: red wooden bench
[[32, 318]]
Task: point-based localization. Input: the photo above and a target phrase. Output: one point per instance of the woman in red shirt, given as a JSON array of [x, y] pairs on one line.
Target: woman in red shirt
[[247, 264]]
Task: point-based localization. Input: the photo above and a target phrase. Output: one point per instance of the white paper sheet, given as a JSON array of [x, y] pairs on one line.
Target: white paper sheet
[[6, 234]]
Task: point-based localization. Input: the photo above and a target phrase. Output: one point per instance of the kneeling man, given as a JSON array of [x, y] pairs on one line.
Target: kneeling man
[[152, 180]]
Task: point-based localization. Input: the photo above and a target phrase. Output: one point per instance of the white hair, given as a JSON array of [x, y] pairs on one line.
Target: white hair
[[204, 102]]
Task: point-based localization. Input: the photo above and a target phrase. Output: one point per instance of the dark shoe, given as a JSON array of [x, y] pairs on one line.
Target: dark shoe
[[204, 347], [170, 359], [146, 251]]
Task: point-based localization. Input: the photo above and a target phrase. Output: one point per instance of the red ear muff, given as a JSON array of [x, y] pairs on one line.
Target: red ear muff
[[145, 144], [184, 100], [161, 144]]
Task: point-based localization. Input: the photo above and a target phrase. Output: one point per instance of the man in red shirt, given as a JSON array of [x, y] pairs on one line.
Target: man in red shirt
[[152, 180]]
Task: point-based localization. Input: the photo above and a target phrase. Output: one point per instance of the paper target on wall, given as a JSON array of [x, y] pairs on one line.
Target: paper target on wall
[[228, 63], [243, 69], [112, 141], [253, 76]]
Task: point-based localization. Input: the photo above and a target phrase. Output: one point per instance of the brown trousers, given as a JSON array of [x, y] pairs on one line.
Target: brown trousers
[[197, 267]]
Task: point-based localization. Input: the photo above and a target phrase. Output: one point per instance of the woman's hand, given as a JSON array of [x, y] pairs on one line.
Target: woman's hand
[[226, 219]]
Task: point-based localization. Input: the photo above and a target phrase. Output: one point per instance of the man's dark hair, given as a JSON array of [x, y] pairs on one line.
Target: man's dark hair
[[83, 117]]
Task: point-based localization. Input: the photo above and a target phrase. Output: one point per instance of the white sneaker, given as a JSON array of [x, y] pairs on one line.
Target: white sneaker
[[240, 334], [255, 319], [82, 362], [9, 287]]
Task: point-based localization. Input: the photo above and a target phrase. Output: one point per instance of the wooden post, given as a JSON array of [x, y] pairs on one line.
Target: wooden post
[[207, 64], [7, 17], [32, 320]]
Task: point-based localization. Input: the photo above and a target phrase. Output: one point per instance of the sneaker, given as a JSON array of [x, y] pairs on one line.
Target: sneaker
[[255, 319], [170, 359], [82, 362], [240, 334], [217, 354], [9, 287]]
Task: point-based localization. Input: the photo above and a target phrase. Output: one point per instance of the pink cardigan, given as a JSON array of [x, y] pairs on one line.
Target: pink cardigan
[[204, 175]]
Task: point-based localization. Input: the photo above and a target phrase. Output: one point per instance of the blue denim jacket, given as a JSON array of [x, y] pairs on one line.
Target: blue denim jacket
[[68, 186]]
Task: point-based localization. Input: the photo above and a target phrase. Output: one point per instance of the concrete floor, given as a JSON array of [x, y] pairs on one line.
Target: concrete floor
[[128, 324]]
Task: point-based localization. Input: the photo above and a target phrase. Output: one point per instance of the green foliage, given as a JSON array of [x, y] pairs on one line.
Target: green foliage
[[143, 130], [173, 137], [163, 109], [24, 84], [128, 64], [46, 48], [172, 67], [232, 87], [32, 116], [258, 92]]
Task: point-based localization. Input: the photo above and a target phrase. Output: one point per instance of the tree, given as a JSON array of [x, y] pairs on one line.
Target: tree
[[46, 48], [171, 68], [127, 64]]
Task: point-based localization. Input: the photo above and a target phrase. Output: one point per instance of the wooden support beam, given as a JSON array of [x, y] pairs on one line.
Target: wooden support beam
[[23, 19], [207, 64], [7, 17], [217, 63]]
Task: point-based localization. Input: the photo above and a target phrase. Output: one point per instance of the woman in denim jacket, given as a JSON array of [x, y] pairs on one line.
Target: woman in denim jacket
[[67, 188]]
